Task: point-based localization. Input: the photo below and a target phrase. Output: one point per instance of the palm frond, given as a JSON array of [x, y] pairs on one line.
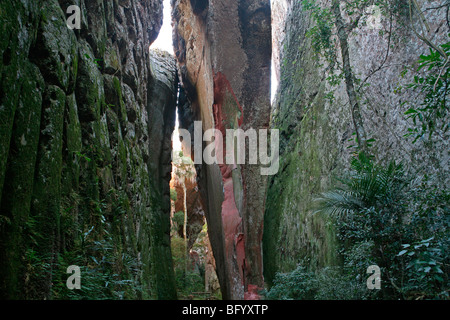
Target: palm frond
[[338, 203], [366, 186]]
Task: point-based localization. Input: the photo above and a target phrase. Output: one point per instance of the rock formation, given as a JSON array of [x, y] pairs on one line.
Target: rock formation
[[316, 133], [84, 145], [87, 115], [224, 51], [194, 207]]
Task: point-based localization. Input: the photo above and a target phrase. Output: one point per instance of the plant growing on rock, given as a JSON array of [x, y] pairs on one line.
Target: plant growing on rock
[[431, 116], [377, 205], [330, 33]]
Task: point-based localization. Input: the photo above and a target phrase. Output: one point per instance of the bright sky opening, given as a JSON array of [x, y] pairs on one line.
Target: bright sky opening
[[164, 40]]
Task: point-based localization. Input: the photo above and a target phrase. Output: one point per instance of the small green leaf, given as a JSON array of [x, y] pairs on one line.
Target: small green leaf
[[410, 111]]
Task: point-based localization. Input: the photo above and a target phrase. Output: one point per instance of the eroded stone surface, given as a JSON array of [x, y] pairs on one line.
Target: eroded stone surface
[[80, 110], [315, 134]]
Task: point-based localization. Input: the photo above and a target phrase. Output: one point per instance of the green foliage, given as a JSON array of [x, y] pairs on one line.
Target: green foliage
[[367, 186], [326, 284], [82, 156], [88, 240], [299, 284], [425, 266], [424, 253], [337, 284], [94, 60], [379, 205], [188, 279], [432, 80], [381, 219], [321, 32], [178, 218], [107, 272], [173, 195]]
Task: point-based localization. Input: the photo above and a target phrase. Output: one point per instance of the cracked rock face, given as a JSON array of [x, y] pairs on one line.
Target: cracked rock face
[[81, 113], [223, 50]]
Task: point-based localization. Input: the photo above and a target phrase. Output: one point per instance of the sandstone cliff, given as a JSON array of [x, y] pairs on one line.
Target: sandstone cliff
[[316, 132], [224, 52], [85, 114]]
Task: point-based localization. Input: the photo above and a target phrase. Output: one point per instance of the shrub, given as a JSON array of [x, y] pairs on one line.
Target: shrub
[[381, 219]]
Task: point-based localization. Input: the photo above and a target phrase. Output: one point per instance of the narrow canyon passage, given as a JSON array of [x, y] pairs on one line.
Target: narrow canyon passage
[[222, 149], [221, 49]]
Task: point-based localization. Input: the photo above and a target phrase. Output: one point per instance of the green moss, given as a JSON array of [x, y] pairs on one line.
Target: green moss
[[162, 266], [72, 126], [19, 177], [122, 108], [89, 86], [101, 142], [46, 200], [122, 156], [73, 145], [307, 161], [9, 86], [114, 60], [55, 51], [9, 99]]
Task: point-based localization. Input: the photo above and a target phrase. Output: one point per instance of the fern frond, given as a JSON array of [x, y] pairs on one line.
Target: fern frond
[[338, 203], [366, 186]]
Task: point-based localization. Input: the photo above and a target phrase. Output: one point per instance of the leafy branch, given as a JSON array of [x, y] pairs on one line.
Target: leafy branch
[[434, 83]]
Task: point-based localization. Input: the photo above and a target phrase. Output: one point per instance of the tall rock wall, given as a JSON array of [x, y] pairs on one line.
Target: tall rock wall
[[223, 50], [84, 175], [315, 133]]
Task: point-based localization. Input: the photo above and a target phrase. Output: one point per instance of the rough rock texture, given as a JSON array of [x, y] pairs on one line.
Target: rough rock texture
[[83, 114], [224, 52], [315, 133], [161, 110], [194, 205], [280, 10]]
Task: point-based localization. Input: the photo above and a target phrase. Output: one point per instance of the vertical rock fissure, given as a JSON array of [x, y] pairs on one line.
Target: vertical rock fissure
[[224, 53]]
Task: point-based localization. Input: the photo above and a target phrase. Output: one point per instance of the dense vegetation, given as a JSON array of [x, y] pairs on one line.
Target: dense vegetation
[[80, 176], [385, 213], [386, 219]]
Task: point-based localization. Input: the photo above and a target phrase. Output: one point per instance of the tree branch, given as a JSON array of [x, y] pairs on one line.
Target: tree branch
[[413, 3], [385, 58], [342, 33]]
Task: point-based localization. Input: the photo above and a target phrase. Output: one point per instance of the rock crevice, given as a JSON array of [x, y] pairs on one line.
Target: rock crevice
[[220, 52]]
